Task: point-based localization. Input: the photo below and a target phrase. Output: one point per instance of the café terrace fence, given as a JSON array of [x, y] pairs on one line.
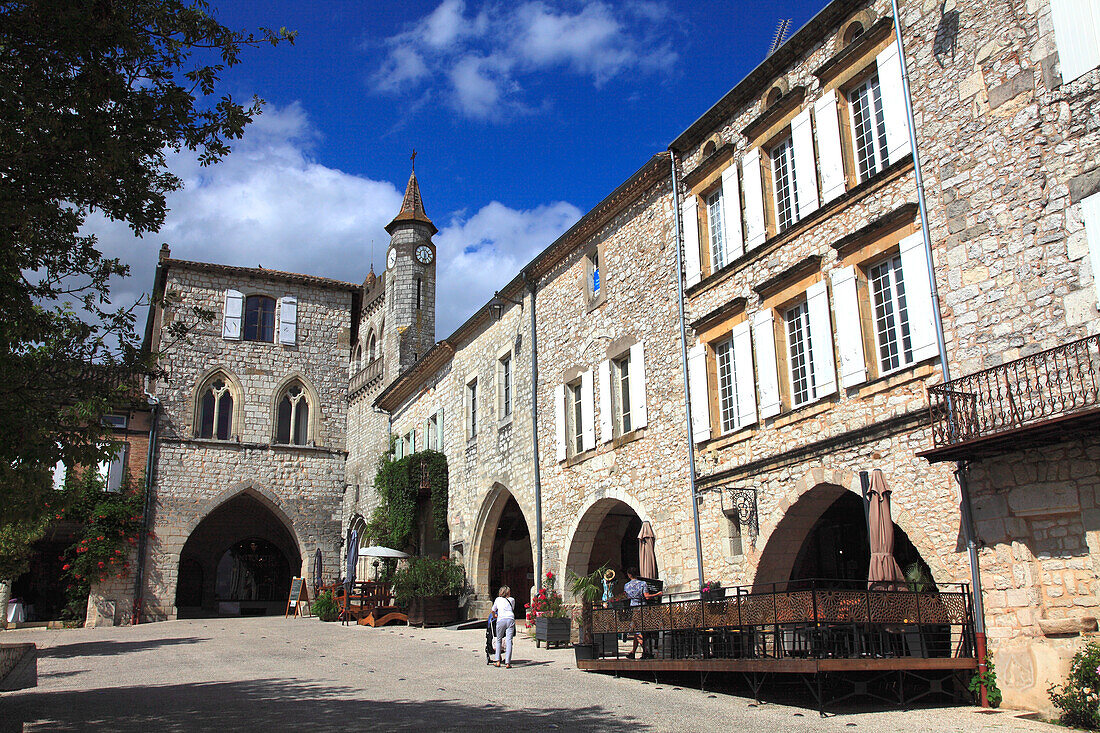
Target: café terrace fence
[[818, 619], [1035, 390]]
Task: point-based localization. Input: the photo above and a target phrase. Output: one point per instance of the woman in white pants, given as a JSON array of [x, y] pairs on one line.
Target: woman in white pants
[[504, 610]]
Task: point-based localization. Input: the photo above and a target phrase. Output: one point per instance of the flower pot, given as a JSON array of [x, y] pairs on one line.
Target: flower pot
[[584, 651], [714, 594], [433, 611], [552, 630]]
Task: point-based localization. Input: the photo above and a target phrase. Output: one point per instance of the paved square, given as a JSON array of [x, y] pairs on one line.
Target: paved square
[[268, 674]]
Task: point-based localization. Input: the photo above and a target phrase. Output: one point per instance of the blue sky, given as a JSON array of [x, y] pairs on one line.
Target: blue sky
[[524, 115]]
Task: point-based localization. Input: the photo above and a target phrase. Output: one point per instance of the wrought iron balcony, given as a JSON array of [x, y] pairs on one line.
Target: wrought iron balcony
[[368, 377], [1034, 400]]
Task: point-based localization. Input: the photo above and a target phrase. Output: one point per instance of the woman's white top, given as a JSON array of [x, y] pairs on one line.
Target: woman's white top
[[504, 607]]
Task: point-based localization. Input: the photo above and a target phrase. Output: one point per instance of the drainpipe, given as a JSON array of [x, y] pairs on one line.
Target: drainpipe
[[531, 287], [684, 362], [966, 507], [139, 575]]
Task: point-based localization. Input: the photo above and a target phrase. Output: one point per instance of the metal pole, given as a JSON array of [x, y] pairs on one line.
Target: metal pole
[[684, 361], [535, 434], [960, 471]]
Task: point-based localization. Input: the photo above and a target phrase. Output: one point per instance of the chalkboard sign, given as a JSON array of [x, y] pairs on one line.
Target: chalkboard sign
[[298, 596]]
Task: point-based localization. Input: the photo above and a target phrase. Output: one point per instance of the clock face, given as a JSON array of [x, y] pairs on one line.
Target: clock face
[[424, 254], [391, 259]]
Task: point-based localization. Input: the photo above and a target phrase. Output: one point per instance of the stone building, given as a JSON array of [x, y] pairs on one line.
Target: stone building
[[812, 326]]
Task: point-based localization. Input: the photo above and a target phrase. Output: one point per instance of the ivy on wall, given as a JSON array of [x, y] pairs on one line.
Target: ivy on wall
[[398, 484]]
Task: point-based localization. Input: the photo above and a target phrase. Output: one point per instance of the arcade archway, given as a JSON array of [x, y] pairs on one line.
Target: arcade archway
[[606, 534], [238, 560], [504, 554], [823, 535]]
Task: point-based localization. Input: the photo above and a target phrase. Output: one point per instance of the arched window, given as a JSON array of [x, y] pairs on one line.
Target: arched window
[[852, 32], [372, 349], [292, 416], [259, 318], [215, 419], [773, 96], [356, 360]]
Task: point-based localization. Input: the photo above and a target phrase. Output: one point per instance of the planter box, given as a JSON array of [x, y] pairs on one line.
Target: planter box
[[433, 611], [552, 630], [715, 594], [584, 651]]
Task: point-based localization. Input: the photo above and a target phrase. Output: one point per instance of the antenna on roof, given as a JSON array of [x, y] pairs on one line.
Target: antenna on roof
[[780, 34]]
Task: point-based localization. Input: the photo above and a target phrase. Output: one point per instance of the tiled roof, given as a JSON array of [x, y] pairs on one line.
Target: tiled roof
[[412, 207]]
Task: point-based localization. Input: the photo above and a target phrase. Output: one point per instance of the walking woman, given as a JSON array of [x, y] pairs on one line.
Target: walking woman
[[504, 610]]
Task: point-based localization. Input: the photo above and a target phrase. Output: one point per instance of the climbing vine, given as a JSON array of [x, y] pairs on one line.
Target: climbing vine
[[398, 484]]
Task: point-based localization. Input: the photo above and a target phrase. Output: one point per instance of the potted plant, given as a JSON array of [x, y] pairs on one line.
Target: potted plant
[[552, 622], [588, 589], [325, 607], [429, 588], [712, 590]]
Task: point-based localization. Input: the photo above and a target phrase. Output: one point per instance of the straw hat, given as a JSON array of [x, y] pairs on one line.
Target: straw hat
[[609, 575]]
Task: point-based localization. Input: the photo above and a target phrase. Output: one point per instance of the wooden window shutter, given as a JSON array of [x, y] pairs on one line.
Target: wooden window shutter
[[559, 416], [743, 374], [767, 373], [588, 428], [234, 310], [690, 219], [731, 212], [288, 320], [849, 334], [805, 167], [700, 395], [830, 155], [607, 422], [639, 416], [821, 339], [755, 230], [893, 103], [1077, 34], [918, 297]]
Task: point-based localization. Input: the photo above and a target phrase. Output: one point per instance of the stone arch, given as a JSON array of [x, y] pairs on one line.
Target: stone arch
[[315, 412], [256, 491], [235, 388], [797, 512], [492, 507], [579, 539]]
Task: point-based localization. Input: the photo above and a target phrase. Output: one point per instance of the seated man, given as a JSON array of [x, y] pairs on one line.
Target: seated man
[[638, 593]]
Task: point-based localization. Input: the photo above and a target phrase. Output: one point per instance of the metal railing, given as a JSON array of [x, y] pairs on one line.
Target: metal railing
[[1055, 383], [366, 376], [818, 619]]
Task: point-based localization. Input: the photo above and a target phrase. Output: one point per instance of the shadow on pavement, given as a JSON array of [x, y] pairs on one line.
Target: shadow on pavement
[[110, 648], [280, 704]]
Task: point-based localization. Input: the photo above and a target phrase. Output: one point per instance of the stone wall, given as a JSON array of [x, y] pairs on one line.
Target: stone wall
[[300, 485]]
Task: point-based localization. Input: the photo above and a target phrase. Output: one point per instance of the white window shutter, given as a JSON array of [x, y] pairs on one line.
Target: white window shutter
[[607, 423], [767, 374], [588, 428], [117, 467], [559, 416], [830, 156], [805, 167], [893, 103], [439, 431], [918, 297], [288, 320], [821, 339], [234, 310], [755, 231], [731, 212], [1077, 33], [849, 334], [690, 218], [743, 374], [639, 412], [700, 395], [1090, 214]]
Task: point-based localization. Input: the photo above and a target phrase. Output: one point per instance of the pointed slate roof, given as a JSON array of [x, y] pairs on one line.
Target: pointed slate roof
[[412, 207]]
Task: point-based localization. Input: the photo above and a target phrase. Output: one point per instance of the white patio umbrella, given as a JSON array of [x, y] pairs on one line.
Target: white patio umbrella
[[378, 551]]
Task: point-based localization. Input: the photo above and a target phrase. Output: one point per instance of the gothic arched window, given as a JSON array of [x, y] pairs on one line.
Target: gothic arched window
[[215, 418], [356, 360], [292, 416], [372, 349], [259, 318]]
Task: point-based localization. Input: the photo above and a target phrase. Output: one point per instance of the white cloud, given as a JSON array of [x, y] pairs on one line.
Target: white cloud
[[270, 204], [480, 59]]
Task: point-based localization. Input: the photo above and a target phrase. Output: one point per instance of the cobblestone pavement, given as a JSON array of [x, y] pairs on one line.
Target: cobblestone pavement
[[274, 674]]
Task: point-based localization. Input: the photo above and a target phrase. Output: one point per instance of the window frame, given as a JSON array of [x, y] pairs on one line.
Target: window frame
[[728, 418], [781, 153], [432, 428], [574, 418], [258, 330], [898, 304], [471, 398], [716, 228], [804, 353], [295, 429], [879, 148], [622, 410], [505, 386], [230, 388]]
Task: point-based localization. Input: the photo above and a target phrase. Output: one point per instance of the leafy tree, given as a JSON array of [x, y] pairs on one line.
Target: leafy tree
[[93, 96]]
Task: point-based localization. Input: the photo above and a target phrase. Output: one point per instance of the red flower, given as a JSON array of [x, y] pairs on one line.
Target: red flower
[[100, 537], [65, 566], [100, 563]]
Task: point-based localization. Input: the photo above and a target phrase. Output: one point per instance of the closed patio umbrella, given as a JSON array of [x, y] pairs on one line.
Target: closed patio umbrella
[[884, 572], [318, 580], [647, 556], [353, 557]]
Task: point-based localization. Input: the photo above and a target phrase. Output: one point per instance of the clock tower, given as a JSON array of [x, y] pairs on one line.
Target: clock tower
[[410, 284]]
